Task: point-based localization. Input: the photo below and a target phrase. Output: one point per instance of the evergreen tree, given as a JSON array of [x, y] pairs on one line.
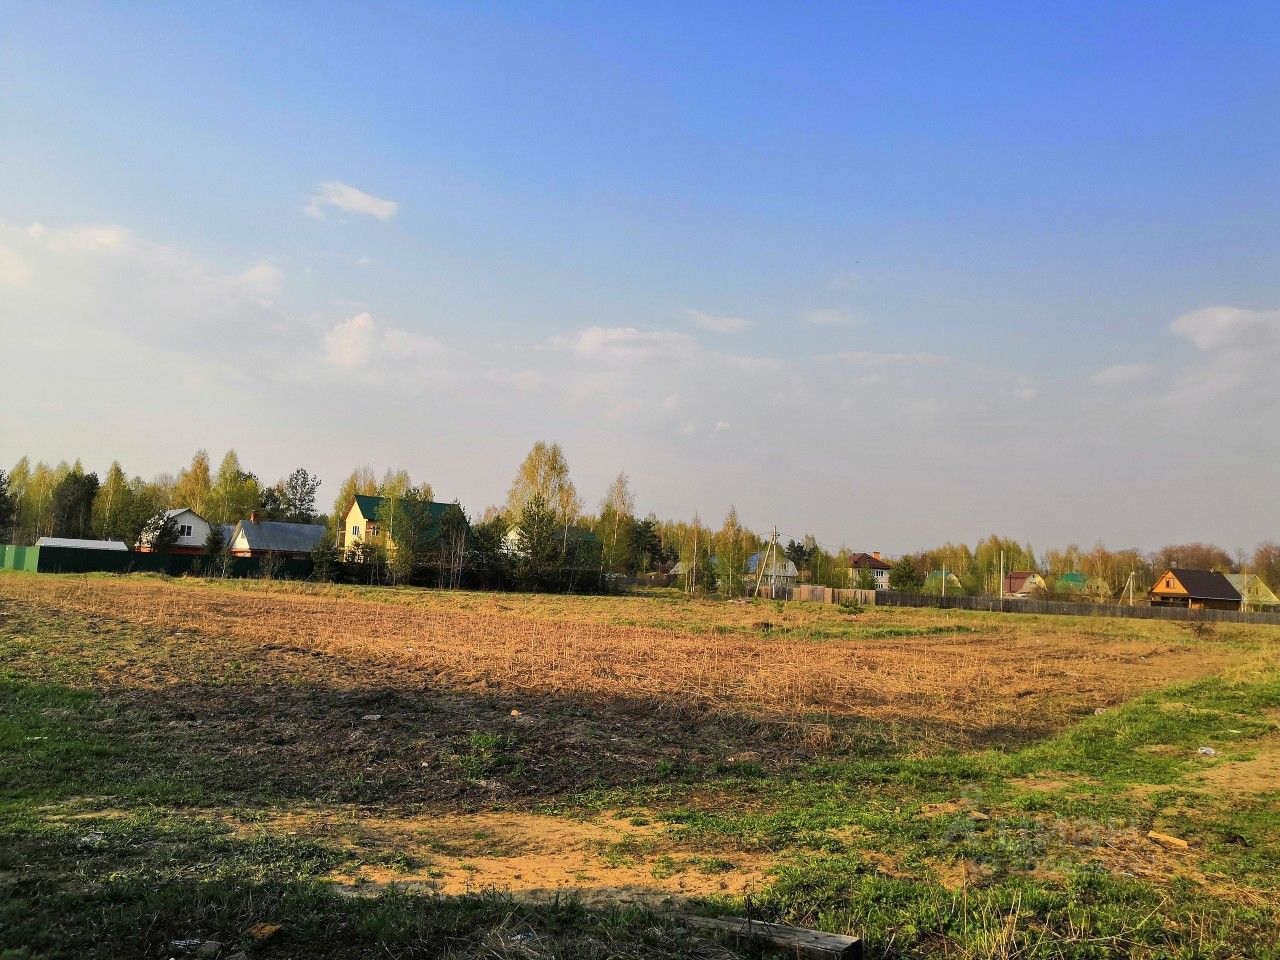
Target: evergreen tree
[[905, 577], [298, 496], [540, 547], [72, 504], [646, 545], [8, 508]]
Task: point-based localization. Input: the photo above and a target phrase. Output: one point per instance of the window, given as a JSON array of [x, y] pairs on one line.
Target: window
[[355, 529], [184, 530]]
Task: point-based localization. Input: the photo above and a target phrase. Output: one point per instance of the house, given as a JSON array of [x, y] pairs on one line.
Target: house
[[870, 561], [270, 538], [933, 585], [1078, 585], [1074, 583], [778, 571], [576, 538], [364, 523], [1253, 591], [1024, 583], [75, 544], [1194, 590], [193, 531]]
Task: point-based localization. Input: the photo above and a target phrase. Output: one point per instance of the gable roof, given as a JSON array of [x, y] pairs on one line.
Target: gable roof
[[1016, 580], [1201, 584], [865, 561], [1252, 587], [179, 511], [279, 537], [371, 507]]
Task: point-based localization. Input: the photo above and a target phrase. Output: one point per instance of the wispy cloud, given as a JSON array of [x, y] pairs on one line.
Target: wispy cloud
[[865, 358], [833, 318], [717, 323], [333, 194], [1122, 373]]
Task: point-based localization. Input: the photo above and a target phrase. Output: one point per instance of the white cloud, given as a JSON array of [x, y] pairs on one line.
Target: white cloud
[[341, 196], [1215, 327], [719, 324], [358, 341], [350, 343], [1122, 373], [13, 269], [833, 318]]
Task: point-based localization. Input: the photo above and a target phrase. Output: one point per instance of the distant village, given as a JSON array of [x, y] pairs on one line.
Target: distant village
[[391, 530]]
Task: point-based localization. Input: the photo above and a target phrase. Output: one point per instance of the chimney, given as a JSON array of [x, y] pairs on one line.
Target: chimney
[[876, 554], [253, 516]]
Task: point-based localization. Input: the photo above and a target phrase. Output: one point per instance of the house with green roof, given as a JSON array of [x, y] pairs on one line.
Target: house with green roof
[[935, 585], [1254, 592], [369, 522], [1079, 585]]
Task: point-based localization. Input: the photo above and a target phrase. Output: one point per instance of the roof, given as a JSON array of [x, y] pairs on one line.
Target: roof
[[1252, 587], [574, 534], [865, 561], [179, 511], [1071, 583], [1017, 579], [1203, 584], [781, 566], [936, 577], [279, 537], [81, 544], [371, 507]]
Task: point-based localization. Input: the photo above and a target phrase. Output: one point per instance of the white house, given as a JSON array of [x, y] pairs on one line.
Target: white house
[[873, 562], [193, 531]]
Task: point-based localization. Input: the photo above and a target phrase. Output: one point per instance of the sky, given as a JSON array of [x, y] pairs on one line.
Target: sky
[[887, 273]]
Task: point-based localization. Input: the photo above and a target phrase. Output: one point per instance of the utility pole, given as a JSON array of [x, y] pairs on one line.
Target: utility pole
[[944, 581], [1001, 579], [764, 559]]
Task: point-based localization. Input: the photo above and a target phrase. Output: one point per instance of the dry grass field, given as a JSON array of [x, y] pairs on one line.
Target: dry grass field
[[424, 773]]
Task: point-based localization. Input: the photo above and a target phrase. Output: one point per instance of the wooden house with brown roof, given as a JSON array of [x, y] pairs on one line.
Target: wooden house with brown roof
[[1194, 590]]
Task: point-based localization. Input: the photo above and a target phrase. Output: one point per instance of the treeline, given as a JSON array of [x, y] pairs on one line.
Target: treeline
[[67, 501], [543, 537], [1106, 572]]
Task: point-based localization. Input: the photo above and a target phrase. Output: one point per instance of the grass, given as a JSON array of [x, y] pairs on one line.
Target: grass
[[162, 782]]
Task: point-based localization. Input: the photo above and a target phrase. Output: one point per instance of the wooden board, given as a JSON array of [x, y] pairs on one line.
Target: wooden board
[[795, 940]]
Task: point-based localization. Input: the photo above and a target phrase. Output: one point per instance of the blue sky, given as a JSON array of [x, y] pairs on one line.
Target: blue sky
[[889, 273]]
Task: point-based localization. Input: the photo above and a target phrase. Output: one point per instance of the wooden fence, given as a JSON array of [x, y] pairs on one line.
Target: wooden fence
[[1142, 611]]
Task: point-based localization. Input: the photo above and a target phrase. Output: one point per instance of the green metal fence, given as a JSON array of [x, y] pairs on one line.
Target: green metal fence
[[74, 560]]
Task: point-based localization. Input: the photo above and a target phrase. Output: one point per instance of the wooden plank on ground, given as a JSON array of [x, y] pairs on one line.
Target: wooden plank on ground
[[797, 940]]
